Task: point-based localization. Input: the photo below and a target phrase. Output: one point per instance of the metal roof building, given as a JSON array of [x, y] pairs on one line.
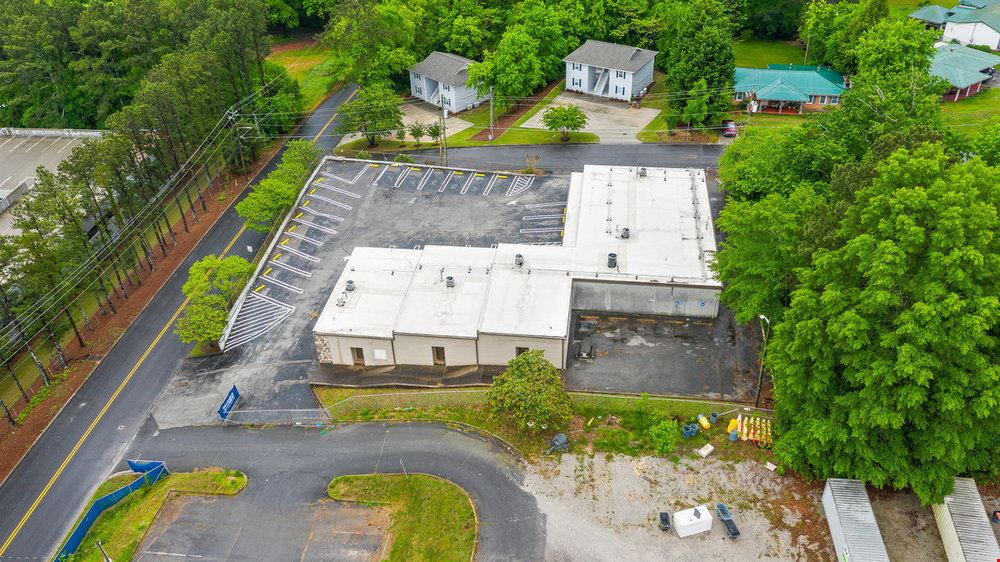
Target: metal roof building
[[964, 526], [853, 528], [636, 240]]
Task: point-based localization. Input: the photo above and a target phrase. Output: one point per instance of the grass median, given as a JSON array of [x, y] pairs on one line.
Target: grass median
[[432, 519], [122, 527]]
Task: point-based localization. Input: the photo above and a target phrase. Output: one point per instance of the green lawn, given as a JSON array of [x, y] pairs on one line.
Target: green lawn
[[758, 53], [902, 8], [432, 519], [314, 69], [469, 407], [973, 112], [122, 527], [558, 89], [464, 138]]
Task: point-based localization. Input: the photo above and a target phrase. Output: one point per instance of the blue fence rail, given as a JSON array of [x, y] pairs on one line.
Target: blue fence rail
[[151, 471]]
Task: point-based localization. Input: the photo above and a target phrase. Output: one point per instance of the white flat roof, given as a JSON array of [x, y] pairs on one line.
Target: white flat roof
[[671, 240], [381, 278], [532, 299], [433, 308]]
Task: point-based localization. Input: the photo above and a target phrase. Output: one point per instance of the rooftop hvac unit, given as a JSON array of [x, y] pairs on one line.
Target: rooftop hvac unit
[[518, 260], [449, 281], [350, 286]]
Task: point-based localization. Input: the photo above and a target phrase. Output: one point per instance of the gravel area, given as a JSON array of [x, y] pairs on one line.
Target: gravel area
[[601, 507]]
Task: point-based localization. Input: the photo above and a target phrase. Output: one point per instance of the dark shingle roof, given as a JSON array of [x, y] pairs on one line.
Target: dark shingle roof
[[611, 55], [444, 67]]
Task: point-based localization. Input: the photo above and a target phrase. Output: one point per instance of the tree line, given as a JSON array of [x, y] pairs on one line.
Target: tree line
[[867, 240], [203, 107]]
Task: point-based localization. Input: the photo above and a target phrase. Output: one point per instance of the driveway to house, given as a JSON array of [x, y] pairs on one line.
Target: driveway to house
[[289, 470], [612, 121]]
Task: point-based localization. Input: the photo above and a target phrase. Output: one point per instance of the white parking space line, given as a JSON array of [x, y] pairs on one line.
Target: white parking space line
[[67, 145], [26, 139], [423, 182], [540, 230], [406, 172], [540, 217], [380, 174], [312, 241], [544, 205], [336, 177], [281, 284], [341, 191], [468, 182], [294, 270], [34, 145], [318, 227], [332, 201], [444, 185], [319, 214], [489, 186], [301, 254], [6, 141], [5, 181]]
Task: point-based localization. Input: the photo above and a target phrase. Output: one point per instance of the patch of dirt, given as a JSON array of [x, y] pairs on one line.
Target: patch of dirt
[[108, 329], [908, 529], [299, 42], [601, 507], [507, 120]]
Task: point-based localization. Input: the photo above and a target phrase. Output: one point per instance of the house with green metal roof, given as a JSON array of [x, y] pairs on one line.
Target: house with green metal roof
[[932, 15], [787, 88], [977, 24], [964, 68]]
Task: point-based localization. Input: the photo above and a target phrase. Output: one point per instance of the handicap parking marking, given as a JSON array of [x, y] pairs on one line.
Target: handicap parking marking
[[520, 185]]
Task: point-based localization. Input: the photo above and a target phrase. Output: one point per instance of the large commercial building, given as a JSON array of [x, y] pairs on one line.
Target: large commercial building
[[635, 241]]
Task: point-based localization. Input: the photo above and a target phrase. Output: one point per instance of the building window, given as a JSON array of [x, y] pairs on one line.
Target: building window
[[447, 87], [358, 356], [416, 76], [739, 96], [447, 101], [812, 99], [834, 100], [619, 74], [822, 100], [419, 90], [620, 90], [576, 66], [577, 82], [438, 355], [520, 350]]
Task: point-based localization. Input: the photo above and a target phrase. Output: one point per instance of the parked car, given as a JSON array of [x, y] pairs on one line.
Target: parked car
[[664, 521], [728, 128]]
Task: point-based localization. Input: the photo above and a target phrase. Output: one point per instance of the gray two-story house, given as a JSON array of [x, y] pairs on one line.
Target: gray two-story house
[[441, 77], [609, 70]]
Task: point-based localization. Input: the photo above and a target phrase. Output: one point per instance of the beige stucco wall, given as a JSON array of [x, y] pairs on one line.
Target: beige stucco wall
[[416, 350], [497, 350], [337, 350]]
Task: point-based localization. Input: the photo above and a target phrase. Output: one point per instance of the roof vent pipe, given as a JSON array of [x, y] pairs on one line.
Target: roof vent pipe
[[350, 286], [449, 281], [612, 260], [518, 260]]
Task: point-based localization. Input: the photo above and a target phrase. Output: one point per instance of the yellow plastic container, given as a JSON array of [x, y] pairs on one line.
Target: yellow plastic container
[[703, 421], [733, 424]]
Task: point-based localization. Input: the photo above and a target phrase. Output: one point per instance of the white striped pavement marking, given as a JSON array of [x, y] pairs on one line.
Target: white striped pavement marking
[[489, 186], [399, 180], [444, 185], [294, 270], [304, 238], [318, 227], [332, 201], [299, 253], [540, 217], [341, 191], [468, 182], [7, 141], [282, 284], [544, 205], [319, 214], [540, 230]]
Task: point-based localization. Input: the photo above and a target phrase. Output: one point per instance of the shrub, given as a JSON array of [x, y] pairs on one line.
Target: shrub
[[530, 393], [664, 436]]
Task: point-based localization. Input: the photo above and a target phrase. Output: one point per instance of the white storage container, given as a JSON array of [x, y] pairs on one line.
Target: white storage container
[[965, 527], [852, 522], [693, 521]]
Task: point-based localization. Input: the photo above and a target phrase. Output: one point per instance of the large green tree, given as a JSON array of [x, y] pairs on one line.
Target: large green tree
[[374, 114], [885, 363], [275, 194], [530, 394], [564, 118], [511, 71]]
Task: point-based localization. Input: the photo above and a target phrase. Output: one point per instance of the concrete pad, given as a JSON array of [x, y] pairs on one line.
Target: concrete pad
[[612, 121], [421, 112]]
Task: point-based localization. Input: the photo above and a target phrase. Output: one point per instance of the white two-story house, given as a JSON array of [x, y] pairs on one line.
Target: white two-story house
[[442, 76], [609, 70]]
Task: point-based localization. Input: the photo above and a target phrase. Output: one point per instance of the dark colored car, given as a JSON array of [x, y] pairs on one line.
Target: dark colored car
[[664, 521], [728, 128]]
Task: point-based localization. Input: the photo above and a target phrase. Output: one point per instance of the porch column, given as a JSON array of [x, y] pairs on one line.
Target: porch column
[[957, 91], [801, 105]]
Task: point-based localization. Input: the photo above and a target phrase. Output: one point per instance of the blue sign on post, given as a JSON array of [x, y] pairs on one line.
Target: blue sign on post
[[228, 403]]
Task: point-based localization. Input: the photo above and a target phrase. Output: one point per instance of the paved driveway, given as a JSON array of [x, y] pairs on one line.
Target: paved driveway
[[612, 121], [422, 112]]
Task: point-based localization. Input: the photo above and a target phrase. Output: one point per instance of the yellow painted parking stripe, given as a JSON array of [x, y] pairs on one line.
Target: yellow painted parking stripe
[[292, 229], [313, 191], [268, 270], [104, 410], [502, 177], [306, 204], [480, 175], [276, 256], [373, 165], [285, 241], [257, 290], [459, 173], [298, 215]]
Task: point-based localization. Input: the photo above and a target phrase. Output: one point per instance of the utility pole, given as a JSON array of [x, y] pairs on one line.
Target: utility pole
[[763, 353], [443, 148], [491, 112]]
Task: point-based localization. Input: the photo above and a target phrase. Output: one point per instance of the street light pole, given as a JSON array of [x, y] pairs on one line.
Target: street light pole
[[763, 353]]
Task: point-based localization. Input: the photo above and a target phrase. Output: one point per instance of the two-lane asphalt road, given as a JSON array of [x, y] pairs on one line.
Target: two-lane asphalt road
[[40, 499]]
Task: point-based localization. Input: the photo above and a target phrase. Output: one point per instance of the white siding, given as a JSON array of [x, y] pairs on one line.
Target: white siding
[[465, 96], [416, 350], [577, 80], [642, 78], [976, 33], [497, 349], [619, 86]]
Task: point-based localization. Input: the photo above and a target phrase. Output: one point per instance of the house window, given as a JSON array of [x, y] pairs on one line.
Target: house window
[[822, 100], [416, 76], [520, 350], [447, 87], [576, 82], [620, 90], [419, 90], [812, 99], [619, 74], [447, 101], [576, 66], [437, 353], [834, 100], [739, 96]]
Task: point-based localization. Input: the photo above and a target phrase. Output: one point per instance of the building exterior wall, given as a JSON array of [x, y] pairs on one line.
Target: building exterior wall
[[642, 78], [584, 75], [620, 85], [646, 298], [337, 350], [465, 96], [976, 33], [499, 349], [416, 350]]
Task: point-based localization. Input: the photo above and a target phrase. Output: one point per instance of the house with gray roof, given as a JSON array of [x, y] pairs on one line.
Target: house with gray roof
[[787, 88], [441, 79], [975, 22], [965, 69], [609, 70]]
